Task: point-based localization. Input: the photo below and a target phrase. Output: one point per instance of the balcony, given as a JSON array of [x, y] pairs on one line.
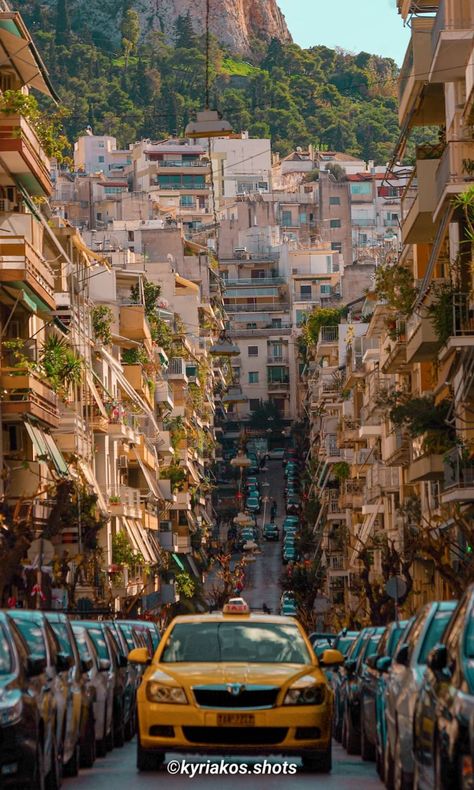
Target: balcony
[[146, 454], [125, 501], [451, 42], [136, 378], [183, 544], [256, 307], [195, 165], [134, 324], [426, 462], [455, 171], [381, 480], [183, 501], [418, 200], [395, 448], [177, 369], [168, 540], [149, 518], [462, 332], [122, 426], [328, 336], [393, 358], [164, 445], [422, 340], [23, 268], [352, 494], [164, 394], [254, 281], [458, 478], [24, 394], [277, 359], [420, 103], [278, 386], [348, 434], [23, 157]]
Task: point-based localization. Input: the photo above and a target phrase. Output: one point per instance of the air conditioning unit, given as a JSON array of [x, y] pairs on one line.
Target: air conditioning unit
[[123, 461]]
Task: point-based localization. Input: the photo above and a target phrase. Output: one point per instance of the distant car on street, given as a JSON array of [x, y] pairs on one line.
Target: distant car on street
[[277, 454], [271, 532]]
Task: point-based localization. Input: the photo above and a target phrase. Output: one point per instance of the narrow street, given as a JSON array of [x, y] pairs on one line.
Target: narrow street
[[118, 769]]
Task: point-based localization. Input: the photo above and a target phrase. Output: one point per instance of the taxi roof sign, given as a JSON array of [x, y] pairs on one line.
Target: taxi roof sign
[[236, 606]]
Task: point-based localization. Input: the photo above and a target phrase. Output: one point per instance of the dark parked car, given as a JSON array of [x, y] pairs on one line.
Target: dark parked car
[[25, 755], [131, 677], [271, 532], [52, 690], [372, 693], [81, 689], [102, 678], [340, 680], [356, 670], [444, 710]]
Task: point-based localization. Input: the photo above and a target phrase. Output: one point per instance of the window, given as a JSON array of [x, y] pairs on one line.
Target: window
[[186, 200], [278, 374], [253, 377], [325, 289], [334, 223], [305, 293], [254, 404], [251, 326], [336, 246], [253, 351], [101, 145], [334, 201], [131, 235], [301, 316], [101, 158], [286, 220], [361, 188], [257, 274]]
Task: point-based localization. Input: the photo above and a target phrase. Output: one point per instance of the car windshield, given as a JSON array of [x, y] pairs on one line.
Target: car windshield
[[371, 645], [267, 643], [126, 630], [434, 634], [82, 643], [33, 636], [60, 629], [98, 638], [394, 639], [6, 663], [344, 643]]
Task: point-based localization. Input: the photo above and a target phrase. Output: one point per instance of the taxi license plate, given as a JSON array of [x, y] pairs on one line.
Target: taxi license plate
[[235, 720]]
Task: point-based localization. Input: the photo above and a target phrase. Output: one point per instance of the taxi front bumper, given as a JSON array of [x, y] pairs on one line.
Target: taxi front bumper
[[279, 730]]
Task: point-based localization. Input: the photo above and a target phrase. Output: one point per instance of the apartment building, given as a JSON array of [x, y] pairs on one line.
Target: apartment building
[[241, 165]]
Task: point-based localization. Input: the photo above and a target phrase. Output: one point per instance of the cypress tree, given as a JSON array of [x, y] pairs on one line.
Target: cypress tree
[[63, 22]]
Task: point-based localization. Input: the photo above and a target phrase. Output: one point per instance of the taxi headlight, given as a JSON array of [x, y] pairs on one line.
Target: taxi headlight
[[169, 695], [11, 714], [307, 695]]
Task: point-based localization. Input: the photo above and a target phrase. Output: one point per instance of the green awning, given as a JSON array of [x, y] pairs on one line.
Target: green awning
[[36, 437], [178, 562], [56, 455]]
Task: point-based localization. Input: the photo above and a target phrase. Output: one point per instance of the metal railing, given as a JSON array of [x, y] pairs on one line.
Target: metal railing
[[177, 367], [458, 472], [328, 334], [255, 281], [183, 163]]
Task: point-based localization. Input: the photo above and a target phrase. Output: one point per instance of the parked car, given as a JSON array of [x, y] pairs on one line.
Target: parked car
[[81, 690], [52, 690], [292, 504], [25, 755], [288, 609], [289, 555], [403, 684], [108, 651], [153, 631], [444, 710], [131, 675], [372, 693], [356, 670], [276, 454], [103, 681]]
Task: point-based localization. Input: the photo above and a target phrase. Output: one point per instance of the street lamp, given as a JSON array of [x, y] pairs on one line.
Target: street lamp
[[242, 462]]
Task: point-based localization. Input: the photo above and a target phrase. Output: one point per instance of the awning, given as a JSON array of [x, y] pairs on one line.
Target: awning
[[192, 471], [46, 448], [17, 48], [89, 255], [193, 566], [95, 393], [90, 478], [136, 534], [184, 283], [178, 562], [365, 532], [151, 482], [133, 395]]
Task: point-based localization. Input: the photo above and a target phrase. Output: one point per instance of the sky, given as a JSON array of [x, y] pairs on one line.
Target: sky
[[370, 25]]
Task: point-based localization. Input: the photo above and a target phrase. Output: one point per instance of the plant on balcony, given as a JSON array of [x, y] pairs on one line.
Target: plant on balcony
[[341, 470], [394, 284], [47, 125], [135, 356], [176, 475], [60, 364], [102, 318], [185, 585], [114, 500], [123, 553], [319, 317]]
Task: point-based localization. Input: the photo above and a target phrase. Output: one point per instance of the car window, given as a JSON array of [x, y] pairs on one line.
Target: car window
[[344, 643], [60, 629], [394, 639], [6, 658], [434, 634], [20, 643], [412, 636], [86, 649], [267, 643], [33, 636], [356, 648], [98, 638], [53, 644], [155, 639], [127, 632], [454, 629], [469, 638]]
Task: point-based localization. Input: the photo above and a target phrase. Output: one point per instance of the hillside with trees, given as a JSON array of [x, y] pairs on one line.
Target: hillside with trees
[[150, 87]]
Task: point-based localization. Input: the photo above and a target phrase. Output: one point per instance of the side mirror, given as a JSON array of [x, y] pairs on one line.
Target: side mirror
[[438, 658], [383, 664], [402, 655], [104, 665], [122, 661], [331, 658], [64, 662], [35, 666], [86, 664], [139, 656], [350, 665]]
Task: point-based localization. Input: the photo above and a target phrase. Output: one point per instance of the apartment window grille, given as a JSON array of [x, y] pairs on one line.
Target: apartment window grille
[[334, 200], [253, 351], [334, 223]]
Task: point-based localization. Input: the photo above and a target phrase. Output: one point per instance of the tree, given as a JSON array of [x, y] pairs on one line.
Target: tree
[[63, 22], [265, 416], [184, 35], [130, 29]]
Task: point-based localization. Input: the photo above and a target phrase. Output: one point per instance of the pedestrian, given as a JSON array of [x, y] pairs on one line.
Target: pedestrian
[[266, 609], [274, 506], [272, 513]]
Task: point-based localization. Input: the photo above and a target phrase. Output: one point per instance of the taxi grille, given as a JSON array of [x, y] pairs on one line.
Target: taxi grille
[[220, 697], [236, 736]]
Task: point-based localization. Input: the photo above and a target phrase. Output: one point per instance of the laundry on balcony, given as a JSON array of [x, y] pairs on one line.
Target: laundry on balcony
[[46, 448]]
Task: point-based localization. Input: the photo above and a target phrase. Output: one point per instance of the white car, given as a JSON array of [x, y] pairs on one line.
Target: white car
[[277, 454], [402, 687]]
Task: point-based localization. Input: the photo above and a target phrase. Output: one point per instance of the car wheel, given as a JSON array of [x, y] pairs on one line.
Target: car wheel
[[88, 750], [367, 749], [352, 736], [71, 768], [319, 762], [118, 728], [54, 779], [148, 760], [38, 779]]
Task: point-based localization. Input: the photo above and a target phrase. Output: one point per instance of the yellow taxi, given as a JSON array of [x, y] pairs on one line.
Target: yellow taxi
[[235, 682]]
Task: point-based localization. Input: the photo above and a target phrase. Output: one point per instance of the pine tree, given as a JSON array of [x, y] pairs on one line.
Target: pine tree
[[63, 22], [184, 35]]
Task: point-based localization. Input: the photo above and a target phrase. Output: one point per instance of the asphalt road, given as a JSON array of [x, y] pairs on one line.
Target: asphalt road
[[118, 772]]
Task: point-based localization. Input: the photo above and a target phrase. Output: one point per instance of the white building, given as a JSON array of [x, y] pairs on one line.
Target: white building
[[95, 153]]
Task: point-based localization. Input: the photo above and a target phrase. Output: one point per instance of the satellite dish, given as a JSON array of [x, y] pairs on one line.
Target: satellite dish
[[41, 548]]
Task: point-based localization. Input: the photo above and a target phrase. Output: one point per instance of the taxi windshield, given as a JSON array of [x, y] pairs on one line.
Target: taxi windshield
[[265, 643]]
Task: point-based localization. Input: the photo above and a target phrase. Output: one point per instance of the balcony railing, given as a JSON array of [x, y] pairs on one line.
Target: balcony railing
[[24, 393], [274, 386], [328, 334], [20, 263], [257, 307], [177, 368], [455, 168], [255, 281], [23, 154], [458, 471], [182, 163], [277, 359]]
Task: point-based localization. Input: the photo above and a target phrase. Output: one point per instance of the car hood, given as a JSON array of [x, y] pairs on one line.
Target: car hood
[[191, 674]]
